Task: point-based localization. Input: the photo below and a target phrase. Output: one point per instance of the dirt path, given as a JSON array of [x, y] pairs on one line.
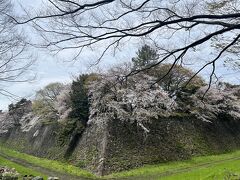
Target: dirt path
[[182, 170], [48, 172]]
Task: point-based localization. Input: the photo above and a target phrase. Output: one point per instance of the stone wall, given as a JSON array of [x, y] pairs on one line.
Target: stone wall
[[170, 139], [119, 145]]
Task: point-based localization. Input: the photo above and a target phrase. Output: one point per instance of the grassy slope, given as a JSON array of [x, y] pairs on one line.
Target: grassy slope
[[50, 164], [206, 167], [227, 170], [20, 169]]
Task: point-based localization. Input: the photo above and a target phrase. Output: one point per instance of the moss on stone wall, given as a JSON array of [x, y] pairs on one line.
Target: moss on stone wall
[[175, 138]]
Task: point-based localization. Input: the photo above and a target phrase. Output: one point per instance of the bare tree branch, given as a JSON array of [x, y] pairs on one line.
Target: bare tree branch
[[14, 61], [184, 27]]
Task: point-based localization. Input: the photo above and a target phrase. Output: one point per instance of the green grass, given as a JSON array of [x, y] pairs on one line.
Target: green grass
[[49, 164], [204, 167], [20, 169], [219, 170]]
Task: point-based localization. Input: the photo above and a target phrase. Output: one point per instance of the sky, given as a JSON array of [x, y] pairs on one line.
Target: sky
[[50, 68], [47, 68]]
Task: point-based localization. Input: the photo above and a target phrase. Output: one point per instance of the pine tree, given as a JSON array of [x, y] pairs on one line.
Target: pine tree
[[79, 99], [145, 56]]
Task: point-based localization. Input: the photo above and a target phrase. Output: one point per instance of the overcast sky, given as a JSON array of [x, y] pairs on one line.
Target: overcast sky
[[50, 68], [54, 69]]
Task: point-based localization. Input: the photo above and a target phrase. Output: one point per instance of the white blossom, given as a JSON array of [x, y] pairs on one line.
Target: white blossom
[[219, 99], [62, 103], [135, 99]]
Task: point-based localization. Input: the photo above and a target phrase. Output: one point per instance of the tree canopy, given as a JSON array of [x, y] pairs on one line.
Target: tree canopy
[[46, 98], [178, 79], [170, 78]]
